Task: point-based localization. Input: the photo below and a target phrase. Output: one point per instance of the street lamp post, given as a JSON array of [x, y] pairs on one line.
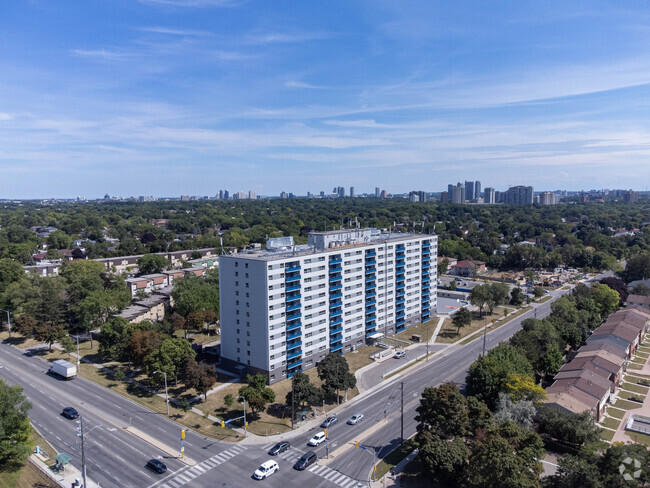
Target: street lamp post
[[166, 396], [78, 355], [83, 435], [245, 424], [8, 321]]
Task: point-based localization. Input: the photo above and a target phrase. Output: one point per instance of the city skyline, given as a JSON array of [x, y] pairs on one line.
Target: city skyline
[[168, 97]]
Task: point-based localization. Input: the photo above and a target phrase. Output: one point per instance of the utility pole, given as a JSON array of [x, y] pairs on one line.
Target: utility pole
[[78, 355], [166, 396], [245, 424], [401, 438], [83, 452], [484, 333], [293, 413]]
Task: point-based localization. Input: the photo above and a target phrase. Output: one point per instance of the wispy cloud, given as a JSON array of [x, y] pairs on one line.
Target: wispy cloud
[[280, 37], [103, 54], [197, 3], [300, 84], [175, 32]]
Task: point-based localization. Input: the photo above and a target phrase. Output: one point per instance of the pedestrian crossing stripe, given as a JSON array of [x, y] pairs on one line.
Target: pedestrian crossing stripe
[[201, 468], [333, 476]]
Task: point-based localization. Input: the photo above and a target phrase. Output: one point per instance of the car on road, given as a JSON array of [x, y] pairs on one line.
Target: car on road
[[157, 466], [265, 470], [279, 447], [399, 354], [317, 439], [329, 421], [355, 419], [305, 461], [70, 413]]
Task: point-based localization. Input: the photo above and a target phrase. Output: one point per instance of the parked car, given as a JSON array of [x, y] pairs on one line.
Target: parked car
[[265, 470], [355, 419], [329, 421], [70, 413], [305, 461], [399, 354], [157, 466], [279, 447], [317, 439]]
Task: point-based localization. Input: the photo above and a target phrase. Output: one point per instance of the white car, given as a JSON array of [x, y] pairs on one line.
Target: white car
[[355, 419], [399, 354], [265, 470], [317, 439]]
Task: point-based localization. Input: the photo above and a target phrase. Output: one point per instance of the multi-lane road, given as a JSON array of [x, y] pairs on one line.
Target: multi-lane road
[[117, 458]]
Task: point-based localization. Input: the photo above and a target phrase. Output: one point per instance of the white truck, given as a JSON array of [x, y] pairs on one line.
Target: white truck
[[64, 369]]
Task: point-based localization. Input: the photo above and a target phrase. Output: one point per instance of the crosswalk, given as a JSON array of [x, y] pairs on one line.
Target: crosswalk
[[333, 476], [202, 468], [291, 455]]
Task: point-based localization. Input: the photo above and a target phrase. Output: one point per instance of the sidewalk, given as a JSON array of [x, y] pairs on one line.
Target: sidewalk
[[394, 479], [64, 478]]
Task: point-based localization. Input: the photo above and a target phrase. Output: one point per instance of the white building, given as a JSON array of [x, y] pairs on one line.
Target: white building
[[284, 308]]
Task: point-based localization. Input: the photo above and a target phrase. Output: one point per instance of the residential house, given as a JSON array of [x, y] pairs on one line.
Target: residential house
[[467, 268]]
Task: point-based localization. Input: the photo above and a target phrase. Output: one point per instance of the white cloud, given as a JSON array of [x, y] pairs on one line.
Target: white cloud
[[197, 3], [175, 32]]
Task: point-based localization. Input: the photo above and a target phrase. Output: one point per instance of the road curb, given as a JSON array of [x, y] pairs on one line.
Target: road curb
[[163, 447]]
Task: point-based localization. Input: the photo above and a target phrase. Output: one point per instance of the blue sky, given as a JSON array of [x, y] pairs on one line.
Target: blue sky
[[170, 97]]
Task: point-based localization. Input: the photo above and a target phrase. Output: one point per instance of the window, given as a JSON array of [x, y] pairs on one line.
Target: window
[[237, 321], [236, 273], [247, 265]]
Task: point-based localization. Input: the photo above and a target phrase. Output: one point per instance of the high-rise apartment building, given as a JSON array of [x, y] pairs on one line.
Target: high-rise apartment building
[[377, 191], [458, 194], [547, 198], [283, 309], [469, 190], [352, 191], [489, 195], [477, 189], [519, 195]]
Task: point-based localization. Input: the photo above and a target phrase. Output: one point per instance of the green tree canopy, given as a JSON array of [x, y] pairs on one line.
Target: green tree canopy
[[303, 391], [442, 412], [334, 371], [152, 263], [257, 394], [195, 294], [170, 357], [15, 429], [200, 376]]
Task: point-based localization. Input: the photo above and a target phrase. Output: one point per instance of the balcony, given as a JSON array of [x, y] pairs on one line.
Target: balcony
[[425, 303], [371, 328], [293, 307], [370, 302], [336, 338], [371, 287], [426, 244], [336, 348], [292, 288], [426, 279], [371, 254], [336, 313], [335, 261], [400, 286], [294, 315], [399, 300], [371, 294], [336, 321], [371, 309], [294, 336], [295, 326], [294, 355], [335, 287], [335, 268], [291, 279], [369, 280], [295, 297], [370, 319], [336, 303], [336, 330], [293, 345], [335, 296], [399, 315], [292, 269], [293, 365], [335, 278], [371, 262]]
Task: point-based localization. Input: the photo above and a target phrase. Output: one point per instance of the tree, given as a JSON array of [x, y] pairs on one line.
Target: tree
[[170, 357], [67, 344], [489, 374], [257, 394], [479, 297], [539, 292], [575, 472], [443, 266], [516, 297], [49, 334], [303, 391], [15, 429], [607, 300], [192, 294], [141, 344], [442, 412], [10, 272], [229, 400], [462, 318], [200, 376], [498, 295], [152, 263], [334, 371], [195, 321], [637, 267], [619, 286], [522, 387], [59, 240], [641, 289], [25, 325], [521, 412], [569, 428], [113, 339], [444, 460]]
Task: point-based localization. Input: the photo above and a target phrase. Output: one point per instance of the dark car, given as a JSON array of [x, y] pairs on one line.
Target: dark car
[[305, 461], [70, 413], [329, 421], [157, 466], [279, 447]]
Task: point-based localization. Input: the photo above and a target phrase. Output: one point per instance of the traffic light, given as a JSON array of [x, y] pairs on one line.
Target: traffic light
[[223, 424], [182, 433], [357, 444]]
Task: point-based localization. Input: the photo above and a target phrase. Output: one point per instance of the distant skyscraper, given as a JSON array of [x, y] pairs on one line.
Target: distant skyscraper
[[377, 192], [251, 195], [283, 194], [322, 194], [352, 191], [340, 192], [631, 196], [489, 195], [226, 195], [477, 189], [444, 197], [185, 198], [458, 194], [519, 195], [547, 198], [469, 190], [383, 194], [450, 190]]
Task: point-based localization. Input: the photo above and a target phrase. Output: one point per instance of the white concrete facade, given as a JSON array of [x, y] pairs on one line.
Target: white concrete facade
[[282, 312]]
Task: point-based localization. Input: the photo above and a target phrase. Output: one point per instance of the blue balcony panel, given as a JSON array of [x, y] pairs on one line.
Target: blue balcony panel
[[400, 287], [336, 314], [335, 330], [293, 307], [293, 365], [335, 287], [293, 298], [371, 254], [295, 326], [294, 336], [334, 340], [370, 309], [371, 280], [371, 294], [371, 287], [336, 321], [335, 296], [336, 269], [335, 261], [335, 279], [336, 303], [294, 345], [292, 269], [291, 279], [294, 355], [372, 301], [292, 288], [336, 348]]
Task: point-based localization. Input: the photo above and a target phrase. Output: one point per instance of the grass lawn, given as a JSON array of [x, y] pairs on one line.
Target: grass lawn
[[198, 338], [634, 366], [361, 357], [635, 388], [424, 330], [29, 476], [18, 340], [544, 299], [449, 333], [636, 379], [612, 423], [617, 413], [496, 325], [394, 457], [626, 404], [607, 435], [639, 360], [642, 354], [640, 438]]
